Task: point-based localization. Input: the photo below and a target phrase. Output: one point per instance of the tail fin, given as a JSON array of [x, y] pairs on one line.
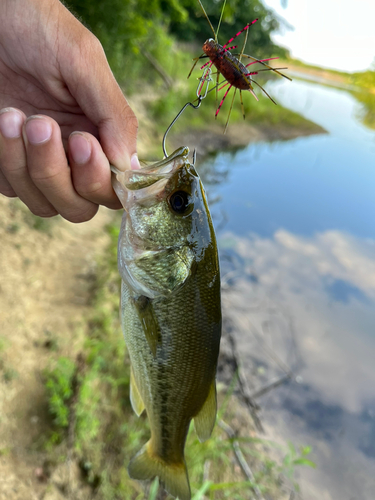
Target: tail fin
[[174, 476]]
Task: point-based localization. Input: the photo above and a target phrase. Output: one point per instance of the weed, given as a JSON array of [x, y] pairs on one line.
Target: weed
[[59, 391], [13, 228], [10, 374], [293, 458], [41, 224]]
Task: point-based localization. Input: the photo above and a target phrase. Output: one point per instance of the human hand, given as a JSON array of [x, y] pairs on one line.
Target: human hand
[[64, 98]]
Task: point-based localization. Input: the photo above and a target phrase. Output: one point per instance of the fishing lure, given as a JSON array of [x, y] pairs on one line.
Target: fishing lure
[[235, 73]]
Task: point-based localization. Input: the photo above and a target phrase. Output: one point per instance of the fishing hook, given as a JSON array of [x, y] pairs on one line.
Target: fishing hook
[[204, 79]]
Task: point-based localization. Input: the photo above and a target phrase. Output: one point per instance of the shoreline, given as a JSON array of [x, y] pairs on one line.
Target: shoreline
[[208, 136], [240, 135]]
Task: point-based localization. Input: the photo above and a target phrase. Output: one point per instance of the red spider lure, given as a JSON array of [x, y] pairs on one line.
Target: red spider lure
[[235, 73]]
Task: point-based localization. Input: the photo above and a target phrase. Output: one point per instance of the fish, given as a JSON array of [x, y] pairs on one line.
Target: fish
[[170, 311]]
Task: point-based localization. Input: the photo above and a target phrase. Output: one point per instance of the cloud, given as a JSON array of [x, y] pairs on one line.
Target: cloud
[[311, 302], [331, 254]]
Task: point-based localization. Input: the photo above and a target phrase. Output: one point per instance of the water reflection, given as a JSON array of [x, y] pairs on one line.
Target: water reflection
[[308, 278], [296, 226], [306, 185], [312, 304], [335, 110]]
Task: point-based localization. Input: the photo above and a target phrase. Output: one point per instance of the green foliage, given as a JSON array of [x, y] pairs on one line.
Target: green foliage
[[59, 391], [237, 14], [136, 33], [129, 29], [224, 482], [365, 81], [44, 225], [294, 458], [7, 372], [367, 115], [10, 374], [154, 489], [140, 38]]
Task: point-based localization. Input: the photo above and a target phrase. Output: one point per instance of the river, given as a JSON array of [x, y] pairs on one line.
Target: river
[[296, 227]]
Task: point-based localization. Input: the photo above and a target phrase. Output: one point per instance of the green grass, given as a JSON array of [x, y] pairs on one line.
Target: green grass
[[88, 399], [365, 81], [41, 224], [7, 372]]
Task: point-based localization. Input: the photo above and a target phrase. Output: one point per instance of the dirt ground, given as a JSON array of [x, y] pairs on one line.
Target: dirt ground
[[45, 276]]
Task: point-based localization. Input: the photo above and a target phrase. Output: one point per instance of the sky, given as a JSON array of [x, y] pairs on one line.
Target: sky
[[338, 34]]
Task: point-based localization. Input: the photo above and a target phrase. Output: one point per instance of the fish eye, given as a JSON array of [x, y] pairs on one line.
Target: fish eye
[[179, 202]]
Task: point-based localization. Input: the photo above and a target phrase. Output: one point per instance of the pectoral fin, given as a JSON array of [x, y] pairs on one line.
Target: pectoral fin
[[135, 396], [204, 421], [149, 322]]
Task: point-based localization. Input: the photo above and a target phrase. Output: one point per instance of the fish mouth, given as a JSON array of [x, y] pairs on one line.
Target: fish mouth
[[148, 182]]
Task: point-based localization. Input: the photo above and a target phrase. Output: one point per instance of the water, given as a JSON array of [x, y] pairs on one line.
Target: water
[[296, 229]]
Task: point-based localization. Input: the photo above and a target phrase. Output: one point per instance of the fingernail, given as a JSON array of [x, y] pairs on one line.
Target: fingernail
[[10, 123], [134, 162], [79, 147], [38, 130]]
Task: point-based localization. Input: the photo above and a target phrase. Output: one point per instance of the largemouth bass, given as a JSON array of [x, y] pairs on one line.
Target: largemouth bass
[[170, 310]]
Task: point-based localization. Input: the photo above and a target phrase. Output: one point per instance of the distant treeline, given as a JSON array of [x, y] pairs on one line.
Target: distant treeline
[[134, 31]]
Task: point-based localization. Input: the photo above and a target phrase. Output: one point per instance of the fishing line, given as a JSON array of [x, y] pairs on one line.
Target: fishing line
[[204, 79]]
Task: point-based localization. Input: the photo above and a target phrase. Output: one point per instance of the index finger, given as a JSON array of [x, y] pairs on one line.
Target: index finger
[[49, 169]]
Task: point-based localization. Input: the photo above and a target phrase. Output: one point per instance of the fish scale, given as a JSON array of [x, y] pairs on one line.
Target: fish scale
[[170, 311]]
